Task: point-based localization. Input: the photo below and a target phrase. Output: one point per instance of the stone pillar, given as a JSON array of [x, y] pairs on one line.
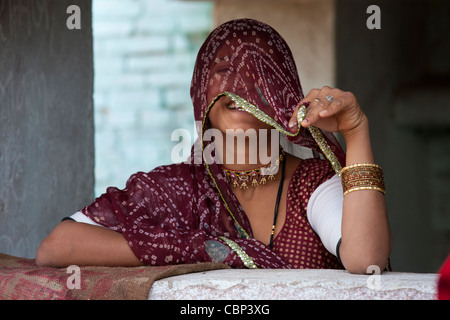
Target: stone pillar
[[46, 119]]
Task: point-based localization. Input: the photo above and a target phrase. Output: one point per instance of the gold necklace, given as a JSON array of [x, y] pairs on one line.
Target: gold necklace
[[253, 177]]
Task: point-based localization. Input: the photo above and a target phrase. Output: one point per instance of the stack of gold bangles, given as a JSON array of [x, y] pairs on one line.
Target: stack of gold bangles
[[362, 176]]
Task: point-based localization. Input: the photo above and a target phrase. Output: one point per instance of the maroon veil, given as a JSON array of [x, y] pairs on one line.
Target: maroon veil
[[186, 212]]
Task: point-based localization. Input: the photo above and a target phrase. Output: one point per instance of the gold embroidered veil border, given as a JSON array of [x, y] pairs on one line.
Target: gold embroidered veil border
[[252, 109]]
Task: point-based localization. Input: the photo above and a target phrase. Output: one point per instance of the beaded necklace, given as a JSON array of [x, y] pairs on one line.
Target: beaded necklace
[[253, 177]]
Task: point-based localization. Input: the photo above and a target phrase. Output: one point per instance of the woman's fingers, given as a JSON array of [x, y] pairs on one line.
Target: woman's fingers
[[334, 105], [293, 121], [328, 108], [312, 112], [320, 104], [308, 102], [326, 102]]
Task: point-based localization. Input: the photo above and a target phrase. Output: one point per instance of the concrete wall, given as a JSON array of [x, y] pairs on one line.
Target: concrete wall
[[46, 124], [144, 55]]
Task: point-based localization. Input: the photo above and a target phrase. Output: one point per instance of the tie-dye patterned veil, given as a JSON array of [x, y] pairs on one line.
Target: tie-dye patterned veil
[[187, 212], [261, 76]]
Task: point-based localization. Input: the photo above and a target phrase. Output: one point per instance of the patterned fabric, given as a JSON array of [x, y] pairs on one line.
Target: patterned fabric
[[187, 212], [174, 215], [21, 279], [297, 242]]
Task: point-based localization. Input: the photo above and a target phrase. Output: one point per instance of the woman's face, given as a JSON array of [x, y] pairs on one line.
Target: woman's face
[[225, 114]]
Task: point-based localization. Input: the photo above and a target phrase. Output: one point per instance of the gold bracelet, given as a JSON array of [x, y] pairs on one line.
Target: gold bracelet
[[365, 188], [359, 165], [362, 176]]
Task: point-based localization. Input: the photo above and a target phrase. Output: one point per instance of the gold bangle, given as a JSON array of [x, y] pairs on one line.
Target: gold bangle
[[365, 188], [359, 165], [362, 176]]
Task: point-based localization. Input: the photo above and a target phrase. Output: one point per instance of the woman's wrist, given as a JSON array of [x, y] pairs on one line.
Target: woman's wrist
[[361, 129], [359, 149]]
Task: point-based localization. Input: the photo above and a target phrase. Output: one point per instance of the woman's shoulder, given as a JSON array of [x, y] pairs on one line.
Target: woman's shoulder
[[172, 169], [170, 172]]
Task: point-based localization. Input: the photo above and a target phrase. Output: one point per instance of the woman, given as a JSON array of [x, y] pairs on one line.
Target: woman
[[285, 212]]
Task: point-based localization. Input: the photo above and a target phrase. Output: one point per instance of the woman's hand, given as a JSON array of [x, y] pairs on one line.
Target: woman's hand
[[366, 236], [332, 110]]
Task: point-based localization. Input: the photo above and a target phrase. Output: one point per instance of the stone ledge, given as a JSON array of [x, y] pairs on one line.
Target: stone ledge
[[307, 284]]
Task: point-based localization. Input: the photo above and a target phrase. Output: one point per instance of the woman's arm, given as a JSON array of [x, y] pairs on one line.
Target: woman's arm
[[74, 243], [366, 236]]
